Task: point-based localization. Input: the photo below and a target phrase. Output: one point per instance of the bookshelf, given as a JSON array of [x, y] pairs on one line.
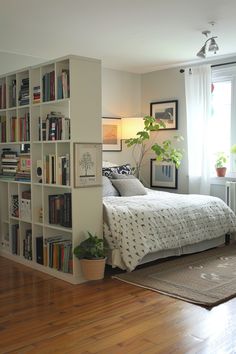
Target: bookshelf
[[44, 110]]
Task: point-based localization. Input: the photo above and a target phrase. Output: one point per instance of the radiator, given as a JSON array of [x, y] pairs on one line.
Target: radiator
[[230, 196]]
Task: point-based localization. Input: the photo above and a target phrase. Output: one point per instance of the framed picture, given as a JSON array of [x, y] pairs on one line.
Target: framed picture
[[87, 164], [167, 111], [163, 175], [111, 134]]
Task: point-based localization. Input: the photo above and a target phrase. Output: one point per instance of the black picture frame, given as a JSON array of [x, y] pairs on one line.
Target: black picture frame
[[111, 134], [163, 175], [166, 111]]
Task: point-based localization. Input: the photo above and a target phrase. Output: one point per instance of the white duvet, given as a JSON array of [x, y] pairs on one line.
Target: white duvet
[[160, 221]]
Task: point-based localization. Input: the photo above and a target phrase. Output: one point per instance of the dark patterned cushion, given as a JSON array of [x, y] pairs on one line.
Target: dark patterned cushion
[[123, 169], [121, 176]]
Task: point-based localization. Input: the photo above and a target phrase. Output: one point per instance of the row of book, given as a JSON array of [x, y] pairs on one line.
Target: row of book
[[59, 209], [12, 93], [15, 239], [24, 209], [3, 129], [63, 84], [56, 169], [49, 86], [55, 127], [2, 95], [24, 92], [27, 245], [55, 252], [24, 127]]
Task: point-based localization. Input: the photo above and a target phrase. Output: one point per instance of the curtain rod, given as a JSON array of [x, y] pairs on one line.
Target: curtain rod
[[215, 65]]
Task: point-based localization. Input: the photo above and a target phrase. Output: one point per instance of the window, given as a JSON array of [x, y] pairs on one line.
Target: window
[[223, 122]]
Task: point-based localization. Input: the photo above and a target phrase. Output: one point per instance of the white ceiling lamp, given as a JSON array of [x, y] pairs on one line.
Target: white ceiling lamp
[[210, 44]]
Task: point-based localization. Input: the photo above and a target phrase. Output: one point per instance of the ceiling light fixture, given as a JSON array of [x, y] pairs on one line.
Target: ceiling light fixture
[[210, 44]]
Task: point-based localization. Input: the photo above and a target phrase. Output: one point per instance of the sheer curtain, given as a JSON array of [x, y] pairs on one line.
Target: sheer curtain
[[198, 106]]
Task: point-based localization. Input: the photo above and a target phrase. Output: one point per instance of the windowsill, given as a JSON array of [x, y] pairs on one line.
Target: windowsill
[[231, 176]]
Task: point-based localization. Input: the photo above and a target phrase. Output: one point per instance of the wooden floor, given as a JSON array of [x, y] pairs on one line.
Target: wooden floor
[[40, 314]]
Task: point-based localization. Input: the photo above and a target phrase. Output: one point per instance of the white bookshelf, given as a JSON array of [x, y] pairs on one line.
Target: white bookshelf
[[82, 105]]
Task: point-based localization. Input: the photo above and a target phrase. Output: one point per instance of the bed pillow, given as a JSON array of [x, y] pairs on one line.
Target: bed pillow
[[120, 176], [108, 164], [108, 188], [123, 169], [129, 187]]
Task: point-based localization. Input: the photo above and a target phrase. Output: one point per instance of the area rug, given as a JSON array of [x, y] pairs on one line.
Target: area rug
[[207, 278]]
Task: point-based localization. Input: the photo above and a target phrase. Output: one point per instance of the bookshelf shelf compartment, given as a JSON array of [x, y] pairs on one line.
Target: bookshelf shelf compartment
[[39, 106]]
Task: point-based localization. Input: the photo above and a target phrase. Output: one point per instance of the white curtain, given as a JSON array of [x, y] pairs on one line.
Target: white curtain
[[198, 106]]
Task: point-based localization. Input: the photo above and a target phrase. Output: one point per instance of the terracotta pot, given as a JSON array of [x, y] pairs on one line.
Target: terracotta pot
[[93, 269], [221, 171]]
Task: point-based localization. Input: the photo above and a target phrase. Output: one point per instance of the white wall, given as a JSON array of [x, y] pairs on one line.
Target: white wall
[[166, 85], [12, 62], [121, 97]]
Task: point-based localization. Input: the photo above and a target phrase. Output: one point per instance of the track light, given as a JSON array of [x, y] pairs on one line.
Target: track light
[[210, 45]]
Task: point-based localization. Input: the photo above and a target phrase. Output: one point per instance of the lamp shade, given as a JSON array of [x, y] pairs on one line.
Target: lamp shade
[[131, 126]]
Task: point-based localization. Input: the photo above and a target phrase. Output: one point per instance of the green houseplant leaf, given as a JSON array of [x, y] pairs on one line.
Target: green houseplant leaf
[[91, 248]]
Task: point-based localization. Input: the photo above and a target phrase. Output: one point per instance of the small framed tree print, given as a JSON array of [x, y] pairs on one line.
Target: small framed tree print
[[87, 164], [167, 112]]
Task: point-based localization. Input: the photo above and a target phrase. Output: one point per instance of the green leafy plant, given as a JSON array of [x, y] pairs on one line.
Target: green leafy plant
[[221, 159], [91, 248], [164, 151]]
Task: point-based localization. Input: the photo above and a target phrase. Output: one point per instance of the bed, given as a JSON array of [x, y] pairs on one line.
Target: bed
[[153, 224]]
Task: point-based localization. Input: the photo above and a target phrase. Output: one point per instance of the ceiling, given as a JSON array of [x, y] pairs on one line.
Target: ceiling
[[132, 35]]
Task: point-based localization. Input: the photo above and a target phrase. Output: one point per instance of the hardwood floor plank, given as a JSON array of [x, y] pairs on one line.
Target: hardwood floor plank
[[43, 315]]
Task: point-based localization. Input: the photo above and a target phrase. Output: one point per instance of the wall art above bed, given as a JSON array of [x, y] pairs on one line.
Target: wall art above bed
[[163, 175], [167, 112], [111, 134]]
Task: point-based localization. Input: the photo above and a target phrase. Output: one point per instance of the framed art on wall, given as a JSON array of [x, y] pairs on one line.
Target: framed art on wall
[[87, 164], [166, 111], [163, 175], [111, 134]]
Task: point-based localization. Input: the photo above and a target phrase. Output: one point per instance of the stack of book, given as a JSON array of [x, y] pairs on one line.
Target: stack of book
[[49, 86], [9, 163], [59, 207], [27, 245], [57, 253], [24, 92], [3, 129], [24, 127], [63, 84], [15, 239], [36, 94], [3, 95]]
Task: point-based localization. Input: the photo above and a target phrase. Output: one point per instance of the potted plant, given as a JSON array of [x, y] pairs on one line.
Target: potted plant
[[165, 151], [92, 258], [220, 164]]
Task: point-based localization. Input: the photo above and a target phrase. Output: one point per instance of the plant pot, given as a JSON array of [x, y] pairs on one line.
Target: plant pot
[[221, 171], [93, 269]]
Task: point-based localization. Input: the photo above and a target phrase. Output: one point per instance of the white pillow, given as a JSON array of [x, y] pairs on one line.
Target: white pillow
[[108, 164]]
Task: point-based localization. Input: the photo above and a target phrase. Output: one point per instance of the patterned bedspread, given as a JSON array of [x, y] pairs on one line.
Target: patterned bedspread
[[160, 220]]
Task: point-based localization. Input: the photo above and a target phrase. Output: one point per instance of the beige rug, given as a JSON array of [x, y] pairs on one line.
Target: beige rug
[[207, 278]]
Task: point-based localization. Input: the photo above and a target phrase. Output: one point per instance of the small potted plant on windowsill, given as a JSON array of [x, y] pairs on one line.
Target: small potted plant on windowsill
[[220, 164], [92, 258]]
